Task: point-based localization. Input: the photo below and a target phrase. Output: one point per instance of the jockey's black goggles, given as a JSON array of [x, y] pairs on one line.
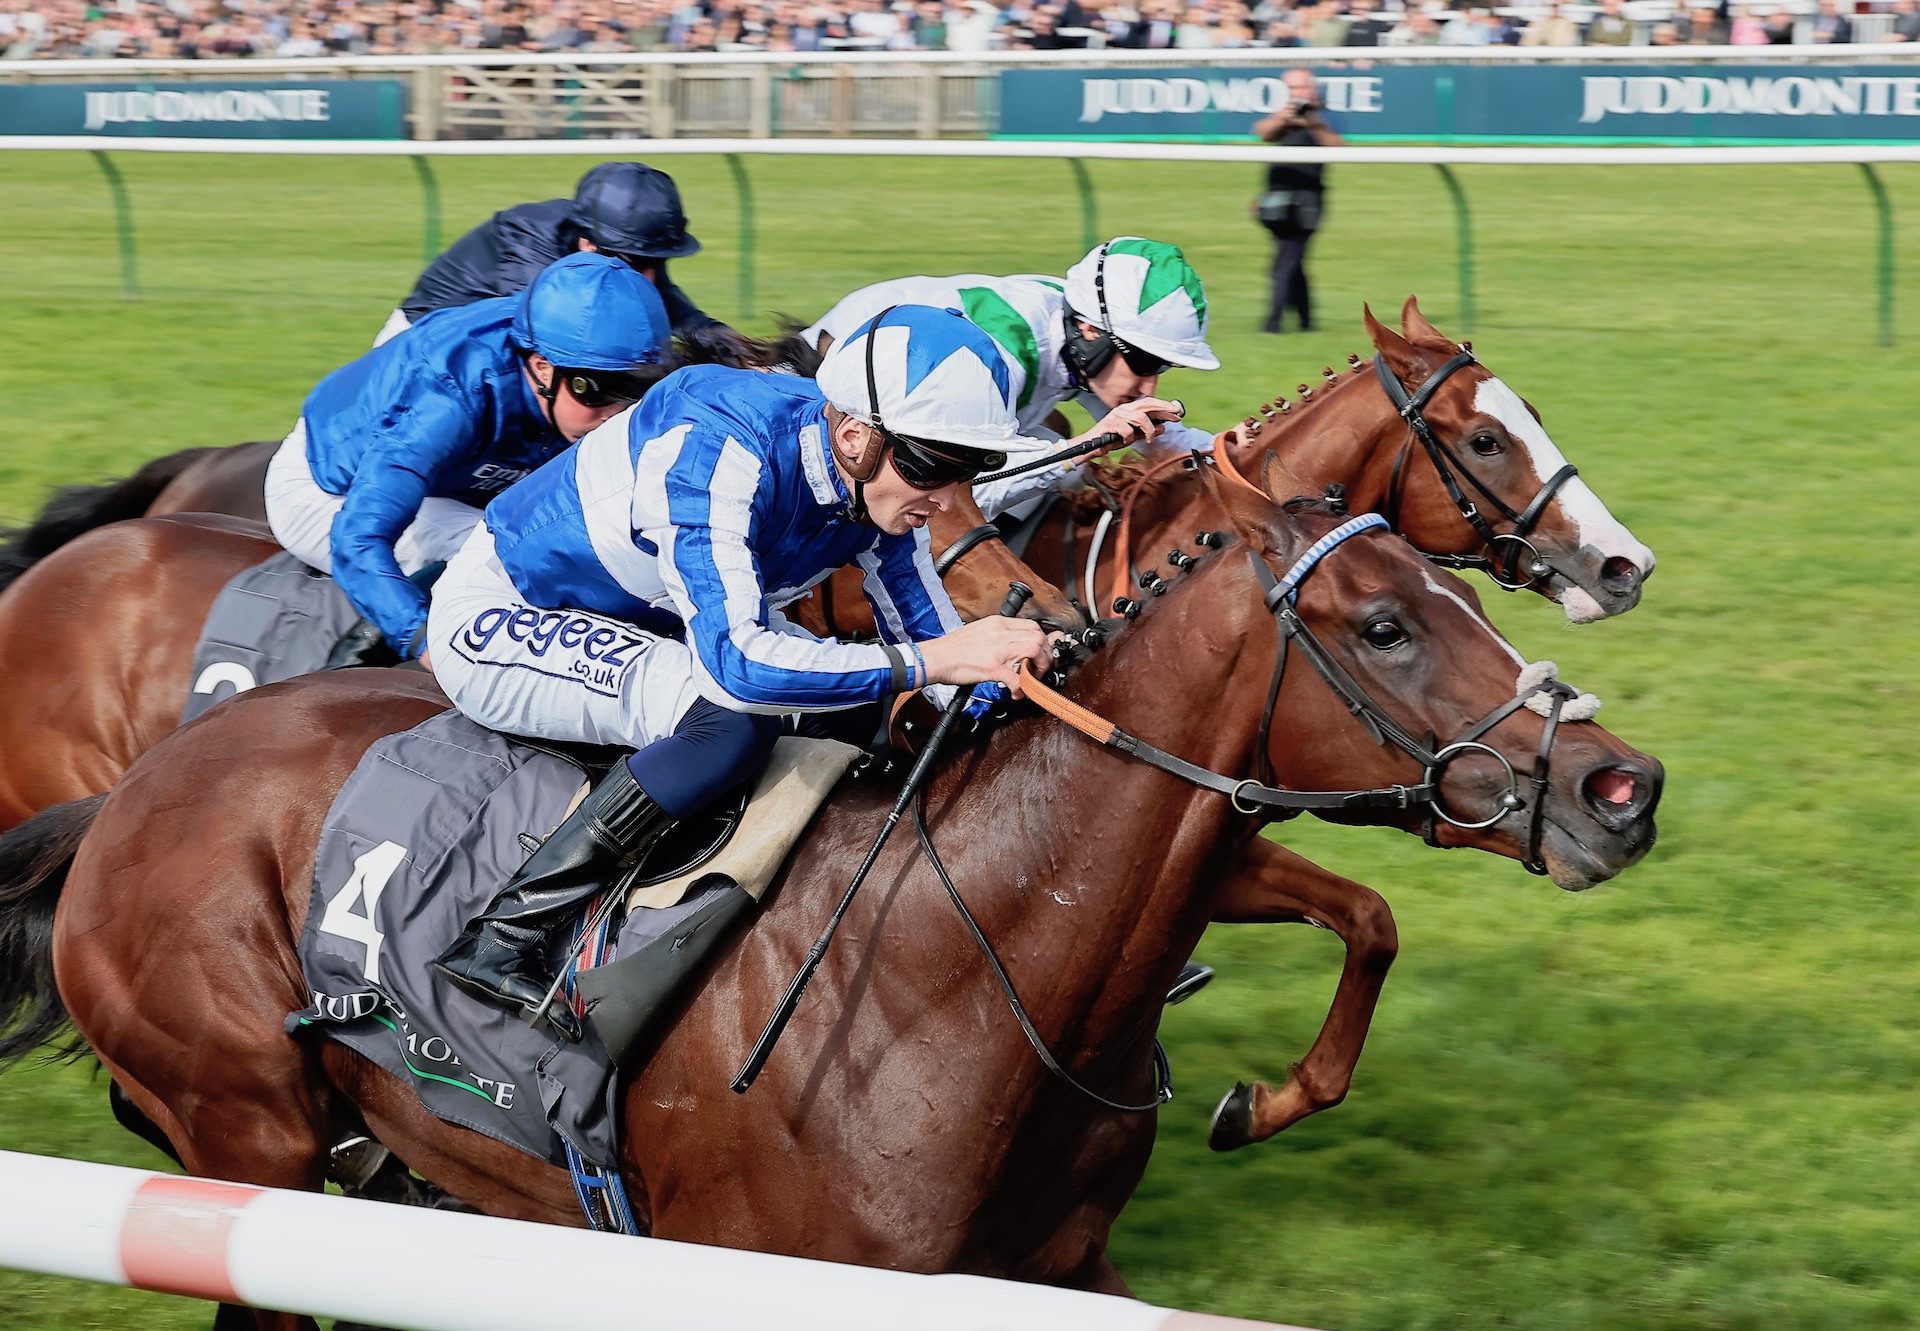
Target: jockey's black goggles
[[927, 465], [1143, 363], [603, 388]]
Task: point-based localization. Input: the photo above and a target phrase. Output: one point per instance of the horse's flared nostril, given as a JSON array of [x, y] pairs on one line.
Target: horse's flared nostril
[[1619, 796], [1620, 575]]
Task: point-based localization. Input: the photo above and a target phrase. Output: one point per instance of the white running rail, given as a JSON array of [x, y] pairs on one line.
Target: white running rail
[[425, 1270]]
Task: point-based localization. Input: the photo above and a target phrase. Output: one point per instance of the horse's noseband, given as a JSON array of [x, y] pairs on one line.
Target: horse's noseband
[[1511, 558]]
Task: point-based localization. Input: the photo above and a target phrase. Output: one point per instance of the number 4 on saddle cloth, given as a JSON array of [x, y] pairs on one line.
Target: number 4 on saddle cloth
[[419, 840]]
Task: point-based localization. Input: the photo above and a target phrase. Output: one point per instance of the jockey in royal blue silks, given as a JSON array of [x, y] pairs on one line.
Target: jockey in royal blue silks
[[628, 592], [625, 209], [395, 453]]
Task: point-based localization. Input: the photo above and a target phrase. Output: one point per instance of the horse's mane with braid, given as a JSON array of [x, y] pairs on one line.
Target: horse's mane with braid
[[1120, 478], [1311, 504]]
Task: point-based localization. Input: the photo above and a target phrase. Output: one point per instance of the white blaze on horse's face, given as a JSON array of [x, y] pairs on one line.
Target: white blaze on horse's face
[[1595, 529], [1478, 617]]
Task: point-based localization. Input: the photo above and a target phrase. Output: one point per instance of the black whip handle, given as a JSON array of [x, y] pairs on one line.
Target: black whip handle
[[1100, 443]]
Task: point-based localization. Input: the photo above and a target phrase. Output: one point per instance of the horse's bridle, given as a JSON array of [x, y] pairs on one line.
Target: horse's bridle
[[1259, 799], [1504, 550]]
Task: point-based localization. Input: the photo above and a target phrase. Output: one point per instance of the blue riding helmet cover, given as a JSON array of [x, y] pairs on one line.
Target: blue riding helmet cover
[[592, 312]]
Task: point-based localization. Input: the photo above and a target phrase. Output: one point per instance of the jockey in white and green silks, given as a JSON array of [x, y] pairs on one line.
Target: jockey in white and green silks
[[1124, 314]]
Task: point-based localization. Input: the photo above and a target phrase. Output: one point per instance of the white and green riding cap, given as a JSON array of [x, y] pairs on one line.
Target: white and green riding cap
[[1154, 299]]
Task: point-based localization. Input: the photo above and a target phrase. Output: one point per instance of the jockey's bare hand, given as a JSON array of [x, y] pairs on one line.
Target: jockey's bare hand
[[990, 648], [1135, 422]]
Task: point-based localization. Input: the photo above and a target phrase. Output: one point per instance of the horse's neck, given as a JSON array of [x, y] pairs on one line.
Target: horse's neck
[[1347, 435], [1112, 862]]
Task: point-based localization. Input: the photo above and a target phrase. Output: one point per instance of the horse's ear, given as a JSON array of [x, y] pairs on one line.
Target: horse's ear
[[1417, 328], [1249, 512], [1278, 480], [1402, 357]]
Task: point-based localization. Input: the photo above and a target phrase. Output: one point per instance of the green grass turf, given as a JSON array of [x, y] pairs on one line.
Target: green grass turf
[[1681, 1100]]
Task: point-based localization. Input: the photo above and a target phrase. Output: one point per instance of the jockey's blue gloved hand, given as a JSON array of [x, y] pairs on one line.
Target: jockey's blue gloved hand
[[985, 696]]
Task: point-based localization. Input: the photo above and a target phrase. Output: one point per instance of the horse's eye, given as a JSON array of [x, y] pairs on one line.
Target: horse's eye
[[1383, 634], [1487, 445]]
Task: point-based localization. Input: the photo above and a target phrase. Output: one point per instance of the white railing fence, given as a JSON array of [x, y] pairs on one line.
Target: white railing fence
[[422, 1270]]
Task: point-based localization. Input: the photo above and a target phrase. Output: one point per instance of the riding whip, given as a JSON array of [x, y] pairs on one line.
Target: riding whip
[[1017, 596], [1100, 443]]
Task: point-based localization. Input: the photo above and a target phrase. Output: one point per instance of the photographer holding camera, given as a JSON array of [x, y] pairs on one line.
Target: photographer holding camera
[[1296, 194]]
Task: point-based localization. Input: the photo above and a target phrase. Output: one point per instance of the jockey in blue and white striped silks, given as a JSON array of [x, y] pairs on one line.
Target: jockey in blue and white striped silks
[[628, 592]]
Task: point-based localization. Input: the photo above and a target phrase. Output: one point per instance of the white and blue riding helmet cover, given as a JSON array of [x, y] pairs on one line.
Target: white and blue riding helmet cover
[[936, 376], [590, 311]]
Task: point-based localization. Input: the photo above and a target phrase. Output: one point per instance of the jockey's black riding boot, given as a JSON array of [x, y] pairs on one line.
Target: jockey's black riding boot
[[501, 958]]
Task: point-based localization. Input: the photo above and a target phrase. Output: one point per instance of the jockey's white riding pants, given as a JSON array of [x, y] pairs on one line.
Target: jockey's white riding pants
[[553, 674], [396, 324], [301, 515]]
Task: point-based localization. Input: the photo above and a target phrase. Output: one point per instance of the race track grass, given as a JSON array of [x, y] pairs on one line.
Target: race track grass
[[1683, 1100]]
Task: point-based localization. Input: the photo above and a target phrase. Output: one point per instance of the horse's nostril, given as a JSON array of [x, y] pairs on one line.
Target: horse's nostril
[[1619, 573], [1618, 796], [1610, 785]]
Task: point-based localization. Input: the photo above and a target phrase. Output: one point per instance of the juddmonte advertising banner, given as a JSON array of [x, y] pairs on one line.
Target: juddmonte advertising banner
[[1480, 102], [357, 109]]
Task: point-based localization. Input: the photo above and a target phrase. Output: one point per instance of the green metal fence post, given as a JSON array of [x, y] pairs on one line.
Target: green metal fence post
[[123, 224], [430, 190], [1089, 208], [1463, 229], [744, 188], [1884, 208]]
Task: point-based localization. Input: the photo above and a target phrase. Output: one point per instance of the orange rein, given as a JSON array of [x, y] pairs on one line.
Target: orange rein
[[1062, 708]]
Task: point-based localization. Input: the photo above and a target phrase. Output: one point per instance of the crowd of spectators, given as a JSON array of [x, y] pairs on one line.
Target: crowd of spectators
[[31, 29]]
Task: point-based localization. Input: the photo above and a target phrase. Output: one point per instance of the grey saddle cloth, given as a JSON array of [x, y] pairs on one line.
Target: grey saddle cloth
[[274, 621], [422, 836]]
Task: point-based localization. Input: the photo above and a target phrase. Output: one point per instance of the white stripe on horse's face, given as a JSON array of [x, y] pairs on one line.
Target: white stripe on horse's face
[[1434, 585], [1594, 527]]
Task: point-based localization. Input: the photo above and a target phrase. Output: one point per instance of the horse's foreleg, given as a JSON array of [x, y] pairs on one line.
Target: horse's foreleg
[[1272, 885]]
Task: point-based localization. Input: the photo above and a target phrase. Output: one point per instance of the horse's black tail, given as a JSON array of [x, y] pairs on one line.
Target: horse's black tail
[[34, 859], [78, 509]]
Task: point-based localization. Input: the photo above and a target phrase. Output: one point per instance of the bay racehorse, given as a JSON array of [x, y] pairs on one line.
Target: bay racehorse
[[1463, 468], [904, 1122]]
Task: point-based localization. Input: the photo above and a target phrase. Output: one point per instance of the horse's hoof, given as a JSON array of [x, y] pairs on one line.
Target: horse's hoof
[[1232, 1125]]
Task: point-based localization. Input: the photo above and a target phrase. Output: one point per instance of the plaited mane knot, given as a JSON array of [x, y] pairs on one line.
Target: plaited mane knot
[[1580, 707]]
